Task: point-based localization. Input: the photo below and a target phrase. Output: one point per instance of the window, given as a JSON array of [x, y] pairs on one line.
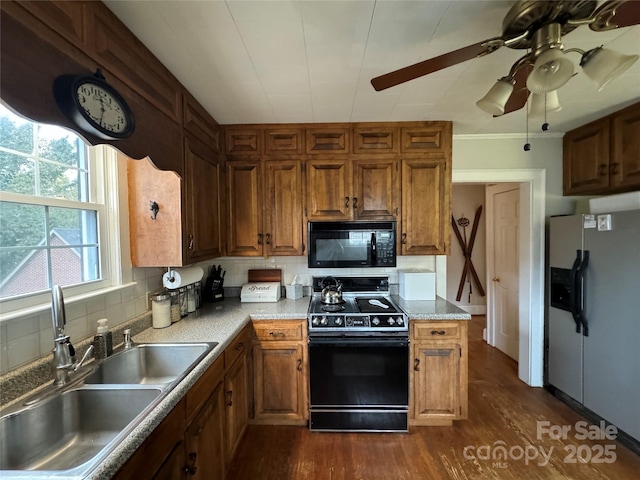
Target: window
[[53, 216]]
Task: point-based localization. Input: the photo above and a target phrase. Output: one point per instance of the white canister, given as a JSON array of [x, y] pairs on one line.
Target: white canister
[[161, 310]]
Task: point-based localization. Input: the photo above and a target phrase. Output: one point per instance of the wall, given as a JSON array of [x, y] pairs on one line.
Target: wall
[[465, 199]]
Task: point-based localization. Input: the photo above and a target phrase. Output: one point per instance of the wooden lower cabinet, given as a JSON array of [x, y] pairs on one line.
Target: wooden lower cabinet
[[438, 373], [280, 373], [237, 413]]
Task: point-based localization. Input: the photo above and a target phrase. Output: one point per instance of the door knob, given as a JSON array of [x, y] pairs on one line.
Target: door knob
[[496, 279]]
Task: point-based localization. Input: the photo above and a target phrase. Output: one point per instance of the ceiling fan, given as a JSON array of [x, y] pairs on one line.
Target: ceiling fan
[[537, 26]]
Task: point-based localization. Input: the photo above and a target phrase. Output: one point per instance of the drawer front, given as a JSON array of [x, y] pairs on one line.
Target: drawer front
[[436, 330], [278, 331], [236, 348]]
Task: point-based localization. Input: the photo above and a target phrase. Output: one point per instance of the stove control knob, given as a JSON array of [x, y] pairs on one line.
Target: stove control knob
[[391, 321], [323, 321], [315, 321], [400, 321], [338, 321], [375, 321]]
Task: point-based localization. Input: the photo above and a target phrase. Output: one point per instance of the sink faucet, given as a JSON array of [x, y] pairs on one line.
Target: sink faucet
[[64, 359]]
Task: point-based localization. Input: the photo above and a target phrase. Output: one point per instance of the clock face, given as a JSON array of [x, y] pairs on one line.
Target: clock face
[[102, 108]]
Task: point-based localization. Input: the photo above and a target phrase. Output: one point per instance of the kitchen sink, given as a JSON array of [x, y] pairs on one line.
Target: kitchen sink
[[66, 432], [70, 429], [149, 364]]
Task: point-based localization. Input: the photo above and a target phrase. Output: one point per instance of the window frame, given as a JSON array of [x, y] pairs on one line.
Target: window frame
[[108, 194]]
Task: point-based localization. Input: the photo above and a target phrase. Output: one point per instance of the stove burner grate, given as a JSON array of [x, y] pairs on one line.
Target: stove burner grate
[[334, 307]]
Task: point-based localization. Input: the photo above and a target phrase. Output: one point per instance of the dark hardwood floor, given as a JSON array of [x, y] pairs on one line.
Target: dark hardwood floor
[[503, 411]]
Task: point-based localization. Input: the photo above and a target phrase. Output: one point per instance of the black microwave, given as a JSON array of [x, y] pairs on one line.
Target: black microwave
[[352, 244]]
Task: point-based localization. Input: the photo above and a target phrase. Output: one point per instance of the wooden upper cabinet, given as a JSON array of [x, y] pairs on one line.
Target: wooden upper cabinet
[[244, 209], [197, 121], [376, 194], [603, 156], [325, 140], [243, 142], [118, 50], [329, 190], [204, 194], [375, 139], [280, 141], [430, 137], [283, 220], [625, 148], [66, 18], [426, 206], [586, 158]]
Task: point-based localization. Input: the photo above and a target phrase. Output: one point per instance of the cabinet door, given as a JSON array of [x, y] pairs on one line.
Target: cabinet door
[[426, 207], [376, 192], [203, 200], [625, 148], [329, 190], [279, 383], [436, 381], [236, 391], [586, 158], [283, 208], [205, 439], [244, 209], [174, 467]]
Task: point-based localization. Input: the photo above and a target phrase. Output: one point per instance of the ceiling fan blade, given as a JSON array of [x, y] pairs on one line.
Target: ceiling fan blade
[[520, 94], [616, 14], [433, 65]]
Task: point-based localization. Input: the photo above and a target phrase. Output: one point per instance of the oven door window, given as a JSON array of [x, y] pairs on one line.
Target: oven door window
[[365, 373]]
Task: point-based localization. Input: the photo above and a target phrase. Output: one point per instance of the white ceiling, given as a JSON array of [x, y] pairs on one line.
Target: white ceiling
[[311, 61]]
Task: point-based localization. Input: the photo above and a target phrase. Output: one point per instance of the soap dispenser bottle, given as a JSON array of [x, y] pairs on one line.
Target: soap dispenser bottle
[[102, 341]]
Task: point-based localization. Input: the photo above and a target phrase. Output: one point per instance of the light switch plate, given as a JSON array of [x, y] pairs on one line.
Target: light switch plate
[[604, 222]]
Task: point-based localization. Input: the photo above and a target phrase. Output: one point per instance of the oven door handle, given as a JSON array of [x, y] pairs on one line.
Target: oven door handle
[[358, 342]]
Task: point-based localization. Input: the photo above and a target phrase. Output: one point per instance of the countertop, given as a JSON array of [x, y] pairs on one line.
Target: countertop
[[221, 322]]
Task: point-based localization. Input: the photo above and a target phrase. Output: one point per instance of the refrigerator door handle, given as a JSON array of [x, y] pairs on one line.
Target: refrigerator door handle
[[575, 299], [582, 272]]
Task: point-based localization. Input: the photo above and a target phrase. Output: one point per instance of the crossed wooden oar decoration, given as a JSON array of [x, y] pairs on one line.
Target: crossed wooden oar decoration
[[467, 249]]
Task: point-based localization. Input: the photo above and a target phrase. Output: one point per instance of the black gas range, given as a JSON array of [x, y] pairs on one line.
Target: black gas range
[[358, 359]]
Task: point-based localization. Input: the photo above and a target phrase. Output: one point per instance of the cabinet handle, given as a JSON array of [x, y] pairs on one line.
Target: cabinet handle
[[229, 398], [355, 202], [259, 239], [299, 367], [268, 239], [416, 365], [190, 242], [240, 346], [276, 334], [613, 170], [404, 238], [602, 170], [438, 332], [191, 469], [346, 202]]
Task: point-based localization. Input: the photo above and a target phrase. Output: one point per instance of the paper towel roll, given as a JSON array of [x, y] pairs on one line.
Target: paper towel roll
[[179, 277]]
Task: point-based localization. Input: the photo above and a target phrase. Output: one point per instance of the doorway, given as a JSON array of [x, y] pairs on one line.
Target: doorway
[[530, 262]]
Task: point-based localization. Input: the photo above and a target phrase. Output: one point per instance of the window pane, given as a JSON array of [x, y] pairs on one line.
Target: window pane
[[17, 174], [56, 143], [57, 181], [30, 277], [21, 225], [16, 133], [74, 226], [74, 265]]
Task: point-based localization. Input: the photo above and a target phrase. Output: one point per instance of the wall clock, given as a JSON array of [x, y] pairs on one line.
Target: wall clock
[[94, 106]]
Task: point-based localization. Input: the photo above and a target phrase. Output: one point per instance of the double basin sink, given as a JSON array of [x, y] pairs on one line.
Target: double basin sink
[[68, 431]]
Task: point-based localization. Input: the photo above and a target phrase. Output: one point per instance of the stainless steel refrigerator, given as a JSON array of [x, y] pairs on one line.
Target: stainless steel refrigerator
[[593, 324]]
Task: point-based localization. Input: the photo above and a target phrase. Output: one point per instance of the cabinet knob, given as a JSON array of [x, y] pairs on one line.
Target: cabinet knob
[[404, 238], [268, 239], [438, 332], [191, 469], [416, 365], [190, 247], [259, 239], [496, 279], [602, 170], [229, 398], [613, 169], [355, 203], [346, 202], [299, 366]]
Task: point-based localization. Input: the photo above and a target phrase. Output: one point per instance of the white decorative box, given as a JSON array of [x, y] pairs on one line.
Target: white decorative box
[[417, 284]]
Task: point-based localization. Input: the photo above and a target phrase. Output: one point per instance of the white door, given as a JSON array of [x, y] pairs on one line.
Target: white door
[[504, 207]]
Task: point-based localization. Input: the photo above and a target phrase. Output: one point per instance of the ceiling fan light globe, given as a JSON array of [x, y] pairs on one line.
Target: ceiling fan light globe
[[603, 65], [496, 99], [551, 71], [538, 106]]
